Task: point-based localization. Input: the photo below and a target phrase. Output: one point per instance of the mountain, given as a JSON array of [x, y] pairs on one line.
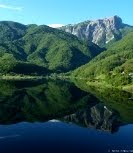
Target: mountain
[[30, 49], [114, 66], [10, 31], [101, 31]]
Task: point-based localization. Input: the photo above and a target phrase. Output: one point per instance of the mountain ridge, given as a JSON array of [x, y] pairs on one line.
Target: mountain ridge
[[100, 31], [113, 66], [41, 46]]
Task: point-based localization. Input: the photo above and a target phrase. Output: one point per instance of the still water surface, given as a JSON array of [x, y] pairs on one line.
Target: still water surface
[[57, 116]]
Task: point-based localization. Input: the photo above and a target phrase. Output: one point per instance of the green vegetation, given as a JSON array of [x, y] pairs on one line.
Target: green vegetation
[[38, 49], [114, 98], [119, 35], [114, 66], [39, 101], [8, 64], [43, 100], [41, 50], [10, 31]]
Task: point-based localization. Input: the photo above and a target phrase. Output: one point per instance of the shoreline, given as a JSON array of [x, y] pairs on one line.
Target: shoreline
[[19, 77], [128, 88]]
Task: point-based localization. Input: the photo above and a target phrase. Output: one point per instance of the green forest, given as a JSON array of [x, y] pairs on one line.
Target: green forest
[[42, 51], [114, 66]]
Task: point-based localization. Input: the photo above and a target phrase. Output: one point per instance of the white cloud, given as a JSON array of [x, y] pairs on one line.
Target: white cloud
[[10, 7], [55, 25]]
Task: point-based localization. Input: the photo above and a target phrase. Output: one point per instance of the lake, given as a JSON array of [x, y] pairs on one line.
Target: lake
[[60, 116]]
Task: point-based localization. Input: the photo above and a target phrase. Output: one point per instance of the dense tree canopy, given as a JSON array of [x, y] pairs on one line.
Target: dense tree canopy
[[42, 46], [114, 65]]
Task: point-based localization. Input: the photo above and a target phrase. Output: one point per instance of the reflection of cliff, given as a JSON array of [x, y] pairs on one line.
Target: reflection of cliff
[[119, 100], [98, 116], [27, 101]]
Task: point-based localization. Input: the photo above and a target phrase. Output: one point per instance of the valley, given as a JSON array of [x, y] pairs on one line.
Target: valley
[[34, 52]]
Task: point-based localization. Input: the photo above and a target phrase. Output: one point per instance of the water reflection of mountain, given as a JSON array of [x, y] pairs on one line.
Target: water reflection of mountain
[[116, 99], [21, 102], [98, 116], [43, 101]]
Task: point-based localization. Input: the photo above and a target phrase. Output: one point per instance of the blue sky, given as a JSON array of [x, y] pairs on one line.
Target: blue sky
[[64, 11]]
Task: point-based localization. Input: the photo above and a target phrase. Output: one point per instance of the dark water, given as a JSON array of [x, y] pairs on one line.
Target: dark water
[[56, 116]]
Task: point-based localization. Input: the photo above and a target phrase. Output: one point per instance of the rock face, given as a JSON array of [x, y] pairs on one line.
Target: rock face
[[98, 116], [100, 31]]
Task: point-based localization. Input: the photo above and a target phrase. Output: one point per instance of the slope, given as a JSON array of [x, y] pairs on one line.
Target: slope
[[114, 66], [41, 46], [102, 32]]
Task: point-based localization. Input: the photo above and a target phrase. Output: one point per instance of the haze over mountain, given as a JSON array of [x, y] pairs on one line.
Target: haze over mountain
[[101, 31]]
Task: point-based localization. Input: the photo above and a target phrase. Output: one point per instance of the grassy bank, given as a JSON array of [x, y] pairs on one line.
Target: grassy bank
[[100, 84], [86, 81], [20, 77], [128, 88]]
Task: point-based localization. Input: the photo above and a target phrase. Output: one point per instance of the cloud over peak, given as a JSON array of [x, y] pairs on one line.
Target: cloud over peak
[[55, 25], [11, 7]]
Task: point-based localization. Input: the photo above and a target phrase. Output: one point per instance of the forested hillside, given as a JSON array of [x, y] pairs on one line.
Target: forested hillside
[[39, 49], [114, 65]]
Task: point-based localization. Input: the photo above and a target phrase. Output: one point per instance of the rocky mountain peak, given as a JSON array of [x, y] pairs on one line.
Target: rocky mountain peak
[[116, 21], [100, 31]]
